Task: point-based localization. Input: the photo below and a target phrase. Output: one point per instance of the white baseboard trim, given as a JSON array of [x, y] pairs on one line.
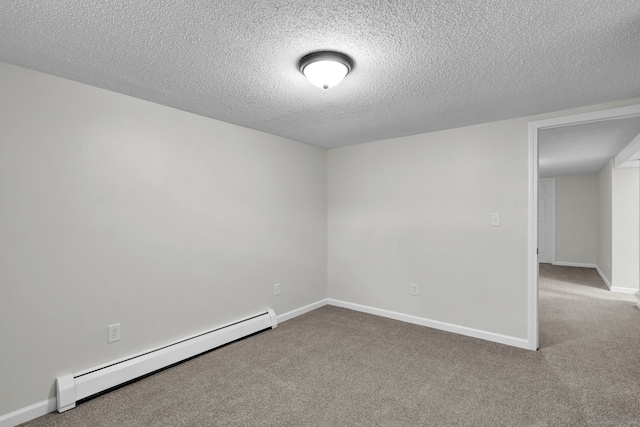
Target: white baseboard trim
[[574, 264], [618, 289], [623, 290], [29, 413], [604, 278], [302, 310], [435, 324]]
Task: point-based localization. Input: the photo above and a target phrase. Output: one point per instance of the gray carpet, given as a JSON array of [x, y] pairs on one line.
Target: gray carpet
[[336, 367]]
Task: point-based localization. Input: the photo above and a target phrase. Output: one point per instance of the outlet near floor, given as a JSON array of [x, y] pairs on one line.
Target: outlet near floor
[[414, 289], [114, 333], [276, 289]]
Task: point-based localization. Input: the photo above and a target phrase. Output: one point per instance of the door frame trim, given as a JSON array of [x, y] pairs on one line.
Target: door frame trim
[[534, 127]]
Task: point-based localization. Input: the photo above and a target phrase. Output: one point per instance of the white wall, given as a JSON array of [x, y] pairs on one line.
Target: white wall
[[577, 219], [417, 210], [604, 219], [113, 209], [625, 235], [618, 226]]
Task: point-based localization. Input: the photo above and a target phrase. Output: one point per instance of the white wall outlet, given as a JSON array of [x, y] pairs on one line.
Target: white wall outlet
[[495, 219], [114, 333], [276, 289], [414, 289]]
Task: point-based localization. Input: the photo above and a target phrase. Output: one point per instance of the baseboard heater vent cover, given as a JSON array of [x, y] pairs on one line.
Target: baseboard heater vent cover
[[74, 387]]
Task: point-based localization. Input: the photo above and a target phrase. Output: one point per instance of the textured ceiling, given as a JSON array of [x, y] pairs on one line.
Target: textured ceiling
[[420, 65], [583, 148]]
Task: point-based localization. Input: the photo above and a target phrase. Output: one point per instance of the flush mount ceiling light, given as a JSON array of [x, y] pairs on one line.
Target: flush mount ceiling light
[[325, 69]]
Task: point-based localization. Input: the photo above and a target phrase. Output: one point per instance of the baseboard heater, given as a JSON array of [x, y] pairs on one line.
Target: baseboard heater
[[74, 387]]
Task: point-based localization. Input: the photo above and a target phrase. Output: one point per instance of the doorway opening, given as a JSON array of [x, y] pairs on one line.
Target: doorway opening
[[534, 134]]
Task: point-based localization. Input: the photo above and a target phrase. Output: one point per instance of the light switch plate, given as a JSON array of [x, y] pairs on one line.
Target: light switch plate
[[495, 219], [414, 289]]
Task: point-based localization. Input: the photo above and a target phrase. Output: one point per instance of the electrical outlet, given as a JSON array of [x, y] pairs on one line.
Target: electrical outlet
[[276, 289], [114, 333], [414, 289]]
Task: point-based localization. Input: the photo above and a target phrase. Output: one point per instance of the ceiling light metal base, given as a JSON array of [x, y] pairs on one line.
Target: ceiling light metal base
[[325, 56]]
